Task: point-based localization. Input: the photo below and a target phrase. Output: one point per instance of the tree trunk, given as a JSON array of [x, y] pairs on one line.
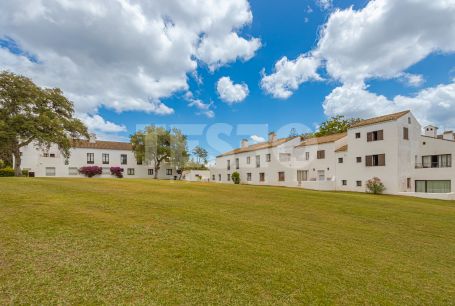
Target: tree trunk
[[17, 162], [157, 168]]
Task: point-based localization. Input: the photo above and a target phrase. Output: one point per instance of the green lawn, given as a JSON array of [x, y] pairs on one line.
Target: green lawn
[[91, 241]]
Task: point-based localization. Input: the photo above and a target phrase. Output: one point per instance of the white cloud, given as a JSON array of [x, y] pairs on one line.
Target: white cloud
[[123, 54], [414, 80], [288, 75], [257, 138], [96, 123], [231, 93], [200, 105], [433, 105], [324, 4], [381, 40]]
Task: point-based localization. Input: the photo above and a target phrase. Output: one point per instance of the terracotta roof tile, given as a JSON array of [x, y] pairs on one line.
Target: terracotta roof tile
[[102, 145], [321, 140], [257, 146], [390, 117]]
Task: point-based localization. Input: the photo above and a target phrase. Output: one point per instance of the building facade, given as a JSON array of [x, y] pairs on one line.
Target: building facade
[[390, 147], [105, 154]]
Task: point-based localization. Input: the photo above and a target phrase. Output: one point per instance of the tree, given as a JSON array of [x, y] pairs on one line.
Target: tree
[[157, 144], [30, 114], [201, 155], [335, 125], [293, 133]]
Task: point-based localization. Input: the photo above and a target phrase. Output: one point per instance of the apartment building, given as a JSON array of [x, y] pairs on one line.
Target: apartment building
[[92, 152], [390, 147]]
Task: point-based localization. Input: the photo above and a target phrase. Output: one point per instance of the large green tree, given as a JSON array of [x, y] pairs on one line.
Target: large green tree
[[30, 114], [335, 125], [157, 145], [201, 154]]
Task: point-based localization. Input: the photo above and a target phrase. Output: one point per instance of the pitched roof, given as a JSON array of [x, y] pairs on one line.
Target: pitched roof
[[342, 149], [102, 145], [321, 140], [390, 117], [258, 146]]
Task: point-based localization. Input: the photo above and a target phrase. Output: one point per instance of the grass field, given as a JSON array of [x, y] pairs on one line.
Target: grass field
[[90, 241]]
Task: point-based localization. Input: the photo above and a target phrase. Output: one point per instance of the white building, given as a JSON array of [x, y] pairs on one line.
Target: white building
[[105, 154], [389, 147], [196, 175]]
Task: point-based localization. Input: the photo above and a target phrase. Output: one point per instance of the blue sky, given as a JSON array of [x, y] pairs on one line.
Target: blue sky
[[421, 78]]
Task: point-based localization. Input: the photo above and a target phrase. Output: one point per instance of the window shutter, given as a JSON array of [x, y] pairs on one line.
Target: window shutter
[[369, 160], [369, 136], [381, 160], [381, 135]]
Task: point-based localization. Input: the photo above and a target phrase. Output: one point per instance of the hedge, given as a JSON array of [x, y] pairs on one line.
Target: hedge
[[5, 172]]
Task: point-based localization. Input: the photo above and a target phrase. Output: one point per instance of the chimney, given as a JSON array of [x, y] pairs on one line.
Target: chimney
[[244, 143], [272, 137], [92, 138], [448, 135], [431, 131]]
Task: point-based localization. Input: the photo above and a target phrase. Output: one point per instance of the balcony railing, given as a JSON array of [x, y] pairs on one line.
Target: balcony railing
[[432, 165]]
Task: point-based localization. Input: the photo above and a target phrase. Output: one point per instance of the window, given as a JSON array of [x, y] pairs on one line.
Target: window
[[307, 155], [130, 171], [213, 177], [321, 175], [359, 159], [219, 177], [405, 133], [262, 177], [321, 154], [229, 177], [168, 171], [45, 154], [229, 165], [358, 183], [340, 160], [436, 161], [357, 135], [409, 120], [150, 171], [248, 176], [50, 171], [281, 176], [139, 162], [408, 183], [375, 160], [123, 159], [268, 157], [105, 158], [52, 155], [302, 175], [90, 158], [248, 160], [375, 135], [436, 186], [67, 162], [258, 161], [73, 171], [344, 182], [237, 163]]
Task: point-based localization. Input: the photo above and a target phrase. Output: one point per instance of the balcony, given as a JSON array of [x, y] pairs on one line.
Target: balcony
[[432, 165]]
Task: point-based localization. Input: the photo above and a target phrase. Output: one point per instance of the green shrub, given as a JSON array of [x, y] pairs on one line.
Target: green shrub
[[236, 177], [375, 186], [6, 172], [25, 172]]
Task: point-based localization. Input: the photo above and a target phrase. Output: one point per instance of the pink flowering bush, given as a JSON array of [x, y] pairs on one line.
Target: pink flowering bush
[[117, 171], [91, 171], [375, 186]]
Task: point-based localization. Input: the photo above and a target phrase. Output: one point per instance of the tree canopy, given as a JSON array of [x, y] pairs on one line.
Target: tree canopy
[[30, 114], [201, 155], [335, 125], [157, 145]]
